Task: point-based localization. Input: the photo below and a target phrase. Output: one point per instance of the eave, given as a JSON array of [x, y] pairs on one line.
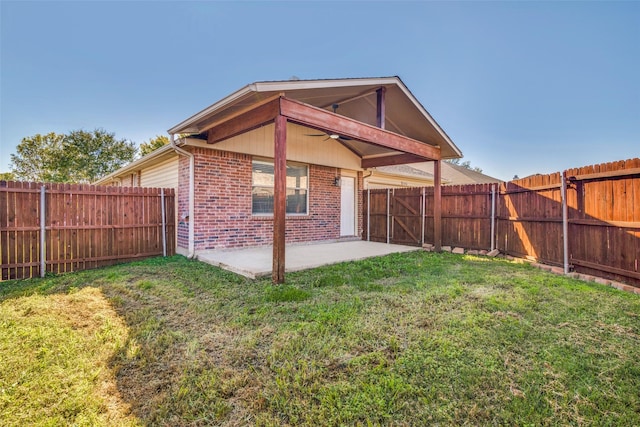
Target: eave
[[137, 164], [184, 126]]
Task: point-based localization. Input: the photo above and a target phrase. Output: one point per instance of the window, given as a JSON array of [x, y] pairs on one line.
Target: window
[[262, 188]]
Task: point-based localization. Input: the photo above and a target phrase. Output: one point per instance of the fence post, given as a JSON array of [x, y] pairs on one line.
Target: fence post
[[423, 212], [368, 214], [43, 231], [388, 214], [493, 217], [437, 206], [565, 224], [164, 224]]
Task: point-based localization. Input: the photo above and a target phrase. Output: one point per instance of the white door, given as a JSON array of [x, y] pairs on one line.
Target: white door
[[347, 206]]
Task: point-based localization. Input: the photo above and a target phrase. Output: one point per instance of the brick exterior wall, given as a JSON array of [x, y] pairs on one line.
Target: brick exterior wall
[[223, 204]]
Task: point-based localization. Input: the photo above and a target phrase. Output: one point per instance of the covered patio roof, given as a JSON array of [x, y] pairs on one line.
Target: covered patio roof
[[355, 98]]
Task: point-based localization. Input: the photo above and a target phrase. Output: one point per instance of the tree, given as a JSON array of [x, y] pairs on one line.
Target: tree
[[7, 176], [153, 144], [91, 155], [38, 157], [466, 165], [79, 156]]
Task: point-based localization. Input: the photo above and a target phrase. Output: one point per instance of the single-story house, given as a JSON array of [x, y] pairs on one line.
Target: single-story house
[[285, 161]]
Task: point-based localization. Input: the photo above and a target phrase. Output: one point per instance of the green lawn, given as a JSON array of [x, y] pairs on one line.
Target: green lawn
[[408, 339]]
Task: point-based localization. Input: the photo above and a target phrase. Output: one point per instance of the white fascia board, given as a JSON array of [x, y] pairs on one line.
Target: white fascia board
[[136, 164], [182, 126], [321, 84]]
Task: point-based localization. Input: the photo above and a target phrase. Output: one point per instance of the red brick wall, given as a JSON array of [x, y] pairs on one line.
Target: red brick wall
[[223, 204]]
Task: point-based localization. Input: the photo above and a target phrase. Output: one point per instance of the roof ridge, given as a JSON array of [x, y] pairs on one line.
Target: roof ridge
[[325, 79]]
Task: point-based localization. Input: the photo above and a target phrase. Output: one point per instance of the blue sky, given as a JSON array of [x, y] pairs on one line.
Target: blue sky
[[520, 87]]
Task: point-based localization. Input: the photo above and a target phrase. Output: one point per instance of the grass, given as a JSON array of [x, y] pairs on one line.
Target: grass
[[408, 339]]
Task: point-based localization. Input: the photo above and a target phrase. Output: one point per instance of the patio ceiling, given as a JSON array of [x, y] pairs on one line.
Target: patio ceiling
[[375, 146]]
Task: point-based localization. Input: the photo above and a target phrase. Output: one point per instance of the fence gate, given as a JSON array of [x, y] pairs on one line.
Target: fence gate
[[395, 216], [406, 216]]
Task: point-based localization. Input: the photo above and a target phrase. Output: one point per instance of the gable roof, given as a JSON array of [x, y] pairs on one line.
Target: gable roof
[[355, 98], [156, 156], [405, 170], [451, 174]]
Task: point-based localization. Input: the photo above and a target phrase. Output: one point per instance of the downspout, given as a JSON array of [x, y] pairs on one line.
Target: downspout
[[364, 179], [192, 193]]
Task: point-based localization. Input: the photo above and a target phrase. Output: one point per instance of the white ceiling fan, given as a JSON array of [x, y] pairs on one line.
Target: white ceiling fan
[[334, 136], [330, 136]]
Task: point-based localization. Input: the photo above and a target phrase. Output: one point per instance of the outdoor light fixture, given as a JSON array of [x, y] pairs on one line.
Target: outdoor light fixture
[[336, 181]]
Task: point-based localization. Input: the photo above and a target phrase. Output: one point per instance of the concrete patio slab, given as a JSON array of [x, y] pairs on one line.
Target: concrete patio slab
[[257, 261]]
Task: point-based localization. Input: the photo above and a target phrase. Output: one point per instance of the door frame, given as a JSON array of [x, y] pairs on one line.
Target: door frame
[[350, 174]]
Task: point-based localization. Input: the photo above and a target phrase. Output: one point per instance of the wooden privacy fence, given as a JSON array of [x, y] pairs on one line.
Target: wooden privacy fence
[[586, 219], [68, 227]]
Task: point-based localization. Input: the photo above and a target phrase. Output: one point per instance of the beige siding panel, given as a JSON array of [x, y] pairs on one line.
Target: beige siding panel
[[300, 147], [162, 175]]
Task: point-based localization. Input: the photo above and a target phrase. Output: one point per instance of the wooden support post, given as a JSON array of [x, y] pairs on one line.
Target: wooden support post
[[380, 107], [279, 198], [437, 206]]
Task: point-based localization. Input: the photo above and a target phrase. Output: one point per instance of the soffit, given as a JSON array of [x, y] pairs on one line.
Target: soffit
[[313, 136]]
